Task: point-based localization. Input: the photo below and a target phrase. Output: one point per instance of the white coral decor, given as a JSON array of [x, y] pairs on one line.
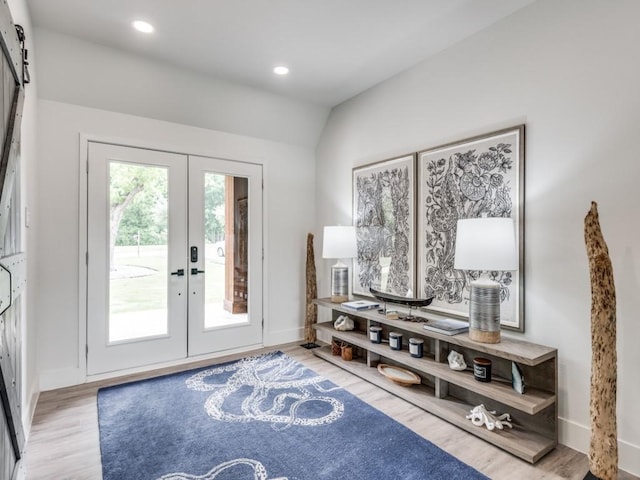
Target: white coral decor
[[480, 415]]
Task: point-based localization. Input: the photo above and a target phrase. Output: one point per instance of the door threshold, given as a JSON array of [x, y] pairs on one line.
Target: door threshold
[[182, 364]]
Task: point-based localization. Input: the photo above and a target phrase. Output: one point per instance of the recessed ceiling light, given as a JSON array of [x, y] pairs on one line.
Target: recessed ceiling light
[[280, 70], [142, 26]]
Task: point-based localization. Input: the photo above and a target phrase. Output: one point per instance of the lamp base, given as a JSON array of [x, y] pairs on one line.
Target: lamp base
[[484, 311], [339, 283], [483, 336], [339, 298]]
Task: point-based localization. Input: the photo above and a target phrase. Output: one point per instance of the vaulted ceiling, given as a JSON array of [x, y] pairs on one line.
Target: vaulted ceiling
[[334, 49]]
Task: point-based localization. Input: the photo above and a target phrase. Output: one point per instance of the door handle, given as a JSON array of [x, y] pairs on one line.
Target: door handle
[[179, 272], [195, 271]]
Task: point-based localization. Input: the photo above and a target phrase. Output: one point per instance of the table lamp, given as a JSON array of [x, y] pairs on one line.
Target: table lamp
[[485, 244], [339, 243]]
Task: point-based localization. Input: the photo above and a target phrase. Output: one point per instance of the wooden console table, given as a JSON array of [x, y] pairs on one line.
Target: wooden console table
[[451, 394]]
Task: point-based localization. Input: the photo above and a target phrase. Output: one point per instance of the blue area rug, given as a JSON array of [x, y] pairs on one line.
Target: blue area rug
[[266, 417]]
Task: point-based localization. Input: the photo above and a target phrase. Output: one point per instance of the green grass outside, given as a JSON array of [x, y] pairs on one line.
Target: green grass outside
[[149, 292]]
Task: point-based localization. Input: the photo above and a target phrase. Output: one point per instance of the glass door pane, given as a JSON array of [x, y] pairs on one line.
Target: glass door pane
[[138, 251], [226, 238]]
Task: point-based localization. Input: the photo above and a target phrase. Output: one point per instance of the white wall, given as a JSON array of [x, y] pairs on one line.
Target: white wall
[[569, 71], [82, 73], [161, 106], [288, 216]]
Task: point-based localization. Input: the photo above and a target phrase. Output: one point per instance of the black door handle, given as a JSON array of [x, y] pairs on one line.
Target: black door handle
[[179, 272], [195, 271]]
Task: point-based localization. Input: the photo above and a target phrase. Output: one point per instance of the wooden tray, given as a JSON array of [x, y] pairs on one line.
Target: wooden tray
[[398, 375]]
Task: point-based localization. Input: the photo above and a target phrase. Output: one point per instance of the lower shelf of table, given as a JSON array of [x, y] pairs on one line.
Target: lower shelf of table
[[529, 446]]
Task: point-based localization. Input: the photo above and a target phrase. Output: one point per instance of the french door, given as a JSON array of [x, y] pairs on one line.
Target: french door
[[174, 256]]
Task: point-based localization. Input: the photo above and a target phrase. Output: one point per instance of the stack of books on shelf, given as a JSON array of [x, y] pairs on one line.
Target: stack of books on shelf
[[446, 326], [360, 305]]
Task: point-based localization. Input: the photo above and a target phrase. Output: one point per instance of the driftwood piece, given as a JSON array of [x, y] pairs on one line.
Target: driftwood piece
[[311, 311], [603, 448]]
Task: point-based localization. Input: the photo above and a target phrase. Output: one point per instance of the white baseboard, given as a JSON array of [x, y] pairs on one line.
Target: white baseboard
[[60, 378], [171, 363], [629, 456], [30, 409], [573, 435], [67, 377], [577, 436]]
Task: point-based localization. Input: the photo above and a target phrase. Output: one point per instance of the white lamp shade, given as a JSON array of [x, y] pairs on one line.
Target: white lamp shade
[[339, 242], [485, 244]]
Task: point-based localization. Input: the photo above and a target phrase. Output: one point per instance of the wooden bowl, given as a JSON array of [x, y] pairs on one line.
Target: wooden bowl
[[398, 375]]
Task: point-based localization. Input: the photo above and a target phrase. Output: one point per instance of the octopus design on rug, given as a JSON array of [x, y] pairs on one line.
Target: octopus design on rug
[[258, 473], [272, 387]]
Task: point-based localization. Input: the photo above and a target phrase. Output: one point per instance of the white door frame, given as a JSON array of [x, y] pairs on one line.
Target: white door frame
[[84, 139]]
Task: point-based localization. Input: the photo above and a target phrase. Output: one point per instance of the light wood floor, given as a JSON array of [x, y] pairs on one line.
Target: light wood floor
[[63, 442]]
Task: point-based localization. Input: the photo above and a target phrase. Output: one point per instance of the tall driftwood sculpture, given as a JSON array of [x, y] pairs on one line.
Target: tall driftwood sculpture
[[603, 449], [311, 311]]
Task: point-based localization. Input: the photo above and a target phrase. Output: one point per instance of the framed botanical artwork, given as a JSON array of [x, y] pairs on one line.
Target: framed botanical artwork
[[476, 177], [384, 217]]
